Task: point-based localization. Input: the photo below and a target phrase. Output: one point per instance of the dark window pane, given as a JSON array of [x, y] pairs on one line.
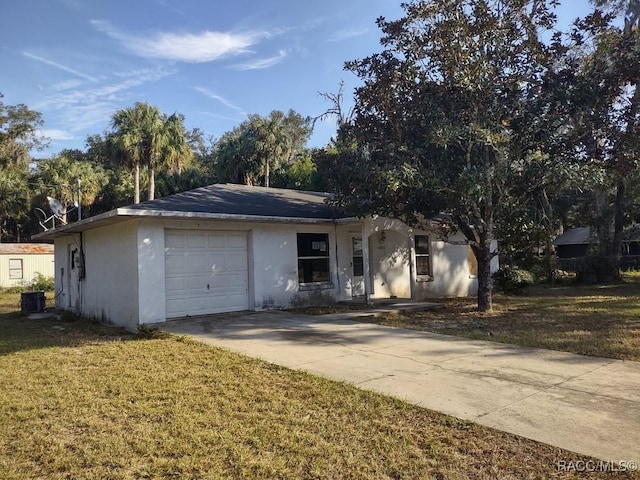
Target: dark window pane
[[357, 246], [422, 244], [423, 265], [358, 266], [313, 270], [313, 244]]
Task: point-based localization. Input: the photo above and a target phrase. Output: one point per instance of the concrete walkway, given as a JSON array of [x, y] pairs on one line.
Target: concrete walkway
[[584, 404]]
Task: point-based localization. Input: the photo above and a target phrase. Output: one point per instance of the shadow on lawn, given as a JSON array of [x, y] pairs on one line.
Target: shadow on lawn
[[22, 333]]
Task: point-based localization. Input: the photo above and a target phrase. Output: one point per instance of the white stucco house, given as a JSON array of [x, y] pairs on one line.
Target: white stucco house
[[21, 262], [227, 247]]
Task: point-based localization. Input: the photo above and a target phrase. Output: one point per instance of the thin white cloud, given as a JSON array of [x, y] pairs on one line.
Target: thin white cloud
[[347, 34], [262, 62], [86, 107], [59, 66], [66, 85], [194, 48], [219, 98], [55, 134]]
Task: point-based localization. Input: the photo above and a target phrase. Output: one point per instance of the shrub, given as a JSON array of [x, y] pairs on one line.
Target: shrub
[[512, 280], [40, 282]]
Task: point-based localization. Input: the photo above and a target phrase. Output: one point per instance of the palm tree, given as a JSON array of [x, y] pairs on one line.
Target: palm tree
[[14, 199], [127, 142], [58, 178], [148, 137], [168, 146], [271, 142]]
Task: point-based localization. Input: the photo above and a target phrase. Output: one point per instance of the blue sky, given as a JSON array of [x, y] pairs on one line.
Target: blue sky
[[78, 61]]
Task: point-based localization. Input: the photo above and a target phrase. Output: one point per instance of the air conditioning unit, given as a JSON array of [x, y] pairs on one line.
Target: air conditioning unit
[[32, 302]]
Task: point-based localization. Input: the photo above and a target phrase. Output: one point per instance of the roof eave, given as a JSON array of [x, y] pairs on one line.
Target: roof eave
[[122, 214], [232, 217]]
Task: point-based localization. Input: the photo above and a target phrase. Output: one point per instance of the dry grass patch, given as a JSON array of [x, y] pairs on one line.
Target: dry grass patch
[[590, 320], [79, 400]]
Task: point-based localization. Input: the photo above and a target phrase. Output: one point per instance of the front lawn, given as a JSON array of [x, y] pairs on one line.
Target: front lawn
[[591, 320], [81, 400]]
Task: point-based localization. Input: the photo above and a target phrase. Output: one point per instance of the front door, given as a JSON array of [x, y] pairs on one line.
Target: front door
[[357, 267]]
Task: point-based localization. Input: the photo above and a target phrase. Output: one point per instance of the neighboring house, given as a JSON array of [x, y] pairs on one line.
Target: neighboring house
[[577, 243], [20, 262], [226, 247], [574, 243]]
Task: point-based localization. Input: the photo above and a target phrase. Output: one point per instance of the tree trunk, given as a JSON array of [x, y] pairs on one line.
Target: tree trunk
[[548, 224], [485, 285], [480, 239], [152, 182], [136, 181], [266, 176], [618, 226]]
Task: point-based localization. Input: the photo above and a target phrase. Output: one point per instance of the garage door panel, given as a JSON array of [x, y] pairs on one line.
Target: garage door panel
[[174, 262], [237, 261], [217, 262], [196, 240], [174, 240], [206, 272], [234, 302], [237, 241], [237, 280], [216, 241]]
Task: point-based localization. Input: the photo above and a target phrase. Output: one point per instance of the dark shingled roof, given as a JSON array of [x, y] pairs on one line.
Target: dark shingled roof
[[231, 199], [575, 236]]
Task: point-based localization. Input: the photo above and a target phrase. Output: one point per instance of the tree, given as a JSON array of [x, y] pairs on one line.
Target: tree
[[610, 113], [58, 177], [438, 120], [336, 109], [18, 137], [14, 201], [260, 145], [18, 134], [144, 136]]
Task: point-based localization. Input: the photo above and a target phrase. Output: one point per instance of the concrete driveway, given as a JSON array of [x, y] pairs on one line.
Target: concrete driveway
[[584, 404]]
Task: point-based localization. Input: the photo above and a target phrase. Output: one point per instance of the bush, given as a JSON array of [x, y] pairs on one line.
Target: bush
[[512, 280], [40, 282]]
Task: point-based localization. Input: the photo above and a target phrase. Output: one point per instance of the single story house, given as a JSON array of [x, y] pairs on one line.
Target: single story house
[[577, 243], [226, 247], [20, 262], [573, 243]]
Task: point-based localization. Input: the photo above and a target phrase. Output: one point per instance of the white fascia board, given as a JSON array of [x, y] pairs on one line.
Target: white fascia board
[[218, 216], [121, 214]]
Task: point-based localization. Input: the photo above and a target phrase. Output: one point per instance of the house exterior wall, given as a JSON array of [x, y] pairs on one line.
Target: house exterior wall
[[151, 272], [124, 266], [109, 289], [344, 255], [450, 265], [32, 263], [390, 264], [273, 264], [275, 267]]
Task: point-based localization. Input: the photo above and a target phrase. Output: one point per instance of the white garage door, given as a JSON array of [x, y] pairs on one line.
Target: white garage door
[[205, 272]]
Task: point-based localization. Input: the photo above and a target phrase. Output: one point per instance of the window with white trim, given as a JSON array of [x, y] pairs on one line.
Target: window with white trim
[[15, 268], [423, 256], [313, 258]]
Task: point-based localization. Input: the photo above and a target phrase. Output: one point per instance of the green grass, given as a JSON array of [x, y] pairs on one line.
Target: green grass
[[591, 320], [83, 401]]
